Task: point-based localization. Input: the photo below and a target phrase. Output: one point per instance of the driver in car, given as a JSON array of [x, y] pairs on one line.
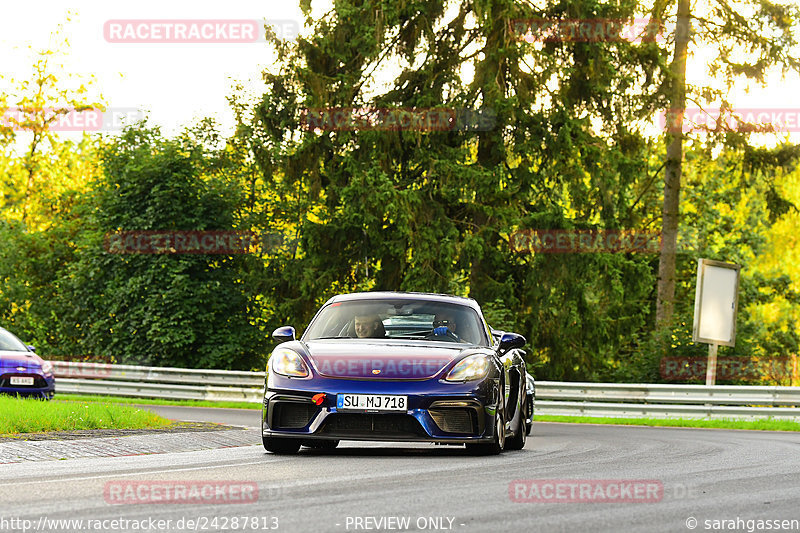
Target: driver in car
[[369, 326]]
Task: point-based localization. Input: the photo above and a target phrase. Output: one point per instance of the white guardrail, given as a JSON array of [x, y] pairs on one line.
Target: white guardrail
[[552, 397]]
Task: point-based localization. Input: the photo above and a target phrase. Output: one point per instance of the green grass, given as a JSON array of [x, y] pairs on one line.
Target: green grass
[[153, 401], [22, 415], [758, 425]]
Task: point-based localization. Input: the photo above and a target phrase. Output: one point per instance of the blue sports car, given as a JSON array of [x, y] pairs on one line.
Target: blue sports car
[[392, 366], [22, 372]]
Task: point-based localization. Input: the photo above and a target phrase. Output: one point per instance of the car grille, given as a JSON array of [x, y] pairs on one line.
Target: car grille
[[395, 425], [455, 420], [293, 415], [38, 382]]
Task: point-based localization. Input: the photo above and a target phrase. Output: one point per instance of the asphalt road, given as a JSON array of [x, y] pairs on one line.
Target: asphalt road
[[704, 475], [232, 417]]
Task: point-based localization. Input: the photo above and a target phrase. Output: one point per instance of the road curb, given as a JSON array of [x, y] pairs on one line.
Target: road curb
[[151, 442]]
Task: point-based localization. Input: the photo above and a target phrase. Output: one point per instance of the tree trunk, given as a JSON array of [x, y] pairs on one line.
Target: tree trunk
[[672, 170], [490, 75]]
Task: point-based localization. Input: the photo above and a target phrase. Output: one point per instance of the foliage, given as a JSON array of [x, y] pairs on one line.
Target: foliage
[[185, 310], [544, 135], [728, 216], [433, 210], [32, 113]]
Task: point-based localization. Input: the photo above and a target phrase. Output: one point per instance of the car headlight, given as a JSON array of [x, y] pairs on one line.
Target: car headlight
[[469, 369], [47, 367], [288, 363]]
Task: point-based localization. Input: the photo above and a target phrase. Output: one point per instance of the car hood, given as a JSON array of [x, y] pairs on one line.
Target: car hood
[[358, 359], [28, 360]]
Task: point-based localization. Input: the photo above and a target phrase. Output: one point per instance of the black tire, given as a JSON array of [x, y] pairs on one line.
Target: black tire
[[499, 442], [321, 444], [517, 442], [281, 446], [529, 416]]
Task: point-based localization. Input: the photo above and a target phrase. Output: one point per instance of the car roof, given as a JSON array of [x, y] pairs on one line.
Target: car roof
[[430, 296]]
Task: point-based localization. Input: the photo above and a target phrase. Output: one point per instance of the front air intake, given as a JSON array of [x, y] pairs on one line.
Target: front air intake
[[357, 424], [455, 420], [292, 415]]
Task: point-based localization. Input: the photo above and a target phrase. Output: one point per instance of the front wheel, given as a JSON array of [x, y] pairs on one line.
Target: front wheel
[[529, 416], [280, 445], [499, 442], [517, 442]]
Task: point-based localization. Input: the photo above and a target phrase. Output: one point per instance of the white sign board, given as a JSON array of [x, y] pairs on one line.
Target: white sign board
[[715, 302]]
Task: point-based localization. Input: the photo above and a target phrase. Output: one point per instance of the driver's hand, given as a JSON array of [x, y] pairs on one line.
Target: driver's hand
[[440, 331]]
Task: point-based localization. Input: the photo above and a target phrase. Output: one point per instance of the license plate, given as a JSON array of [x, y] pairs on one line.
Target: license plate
[[371, 402], [21, 380]]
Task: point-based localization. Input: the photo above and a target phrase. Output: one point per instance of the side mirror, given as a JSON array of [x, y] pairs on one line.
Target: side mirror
[[283, 334], [509, 341], [31, 348]]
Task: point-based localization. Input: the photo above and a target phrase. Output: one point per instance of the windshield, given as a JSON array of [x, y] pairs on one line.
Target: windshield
[[10, 343], [398, 319]]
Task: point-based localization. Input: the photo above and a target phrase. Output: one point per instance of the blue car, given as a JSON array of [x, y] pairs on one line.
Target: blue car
[[399, 367], [22, 372]]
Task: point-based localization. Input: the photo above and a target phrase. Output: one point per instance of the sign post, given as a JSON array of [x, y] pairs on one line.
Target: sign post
[[711, 367], [715, 305]]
